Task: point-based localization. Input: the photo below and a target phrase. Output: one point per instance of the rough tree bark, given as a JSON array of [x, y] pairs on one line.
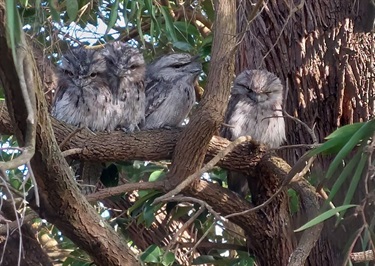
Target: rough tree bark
[[75, 216], [310, 46], [320, 50]]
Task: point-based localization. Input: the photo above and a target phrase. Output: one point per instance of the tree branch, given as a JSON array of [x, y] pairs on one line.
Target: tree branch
[[151, 145], [61, 203]]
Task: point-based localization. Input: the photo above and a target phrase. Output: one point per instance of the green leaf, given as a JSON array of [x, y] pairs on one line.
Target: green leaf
[[355, 180], [344, 131], [367, 129], [187, 28], [342, 177], [209, 9], [324, 216], [204, 259], [13, 26], [183, 46], [55, 15], [168, 258], [112, 17], [168, 23], [139, 21], [142, 200], [293, 201], [152, 254], [180, 211], [156, 175], [72, 9], [149, 212]]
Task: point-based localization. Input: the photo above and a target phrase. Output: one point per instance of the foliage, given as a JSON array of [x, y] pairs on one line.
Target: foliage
[[158, 28]]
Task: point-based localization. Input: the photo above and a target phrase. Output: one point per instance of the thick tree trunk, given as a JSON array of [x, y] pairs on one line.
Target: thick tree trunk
[[321, 52], [329, 69], [60, 201]]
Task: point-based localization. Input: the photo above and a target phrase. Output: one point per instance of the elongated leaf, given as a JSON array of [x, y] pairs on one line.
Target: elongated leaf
[[139, 22], [72, 9], [168, 258], [149, 211], [13, 26], [55, 15], [324, 216], [152, 254], [342, 177], [168, 23], [156, 175], [347, 130], [354, 183], [185, 27], [112, 16], [362, 133], [142, 200], [184, 46]]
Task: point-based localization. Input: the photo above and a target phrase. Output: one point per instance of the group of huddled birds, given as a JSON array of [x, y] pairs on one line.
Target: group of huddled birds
[[113, 88]]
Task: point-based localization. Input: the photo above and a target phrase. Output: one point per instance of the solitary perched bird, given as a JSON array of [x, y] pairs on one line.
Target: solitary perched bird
[[126, 73], [170, 91], [84, 99], [254, 109]]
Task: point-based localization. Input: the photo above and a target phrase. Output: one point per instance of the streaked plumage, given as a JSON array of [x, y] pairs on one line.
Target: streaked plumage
[[126, 72], [170, 91], [83, 97], [254, 110]]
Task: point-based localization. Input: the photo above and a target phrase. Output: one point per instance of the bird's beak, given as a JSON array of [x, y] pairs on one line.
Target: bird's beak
[[195, 58], [195, 67], [253, 96]]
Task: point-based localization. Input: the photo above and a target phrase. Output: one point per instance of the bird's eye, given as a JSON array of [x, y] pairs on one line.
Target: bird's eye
[[181, 65], [70, 74], [93, 75], [132, 67]]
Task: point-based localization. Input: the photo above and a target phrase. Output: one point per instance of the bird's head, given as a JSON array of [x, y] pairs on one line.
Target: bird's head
[[124, 61], [82, 66], [175, 66], [261, 86]]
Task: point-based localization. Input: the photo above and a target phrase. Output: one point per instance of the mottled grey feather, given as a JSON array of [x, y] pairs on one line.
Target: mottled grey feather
[[126, 72], [254, 110], [170, 91], [83, 97]]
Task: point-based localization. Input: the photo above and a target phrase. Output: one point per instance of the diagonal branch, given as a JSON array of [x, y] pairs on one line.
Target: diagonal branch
[[61, 203]]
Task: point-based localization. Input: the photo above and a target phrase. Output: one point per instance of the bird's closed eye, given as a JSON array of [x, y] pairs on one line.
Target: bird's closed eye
[[132, 67], [180, 65]]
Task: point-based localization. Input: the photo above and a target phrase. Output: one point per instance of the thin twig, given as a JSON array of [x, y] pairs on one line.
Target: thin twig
[[26, 78], [185, 226], [33, 180], [11, 225], [114, 191], [194, 200], [16, 215], [286, 181], [71, 152], [62, 144], [204, 169]]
